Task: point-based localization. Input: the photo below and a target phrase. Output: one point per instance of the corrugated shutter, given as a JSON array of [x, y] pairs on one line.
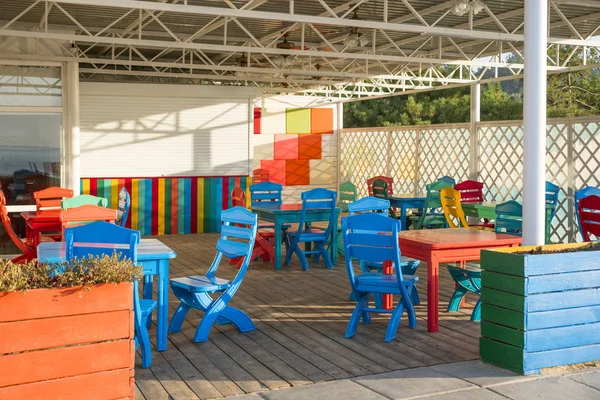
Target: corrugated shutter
[[144, 136]]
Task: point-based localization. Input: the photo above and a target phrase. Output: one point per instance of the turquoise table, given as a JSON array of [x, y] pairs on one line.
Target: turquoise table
[[154, 257], [280, 214], [405, 202]]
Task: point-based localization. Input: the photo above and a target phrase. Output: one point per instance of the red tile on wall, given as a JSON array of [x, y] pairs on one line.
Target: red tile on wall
[[257, 115], [286, 147], [297, 172], [276, 170], [309, 147]]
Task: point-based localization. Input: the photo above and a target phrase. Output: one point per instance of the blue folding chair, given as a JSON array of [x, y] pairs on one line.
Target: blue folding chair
[[316, 199], [86, 240], [123, 207], [240, 225], [580, 194], [408, 265], [373, 238]]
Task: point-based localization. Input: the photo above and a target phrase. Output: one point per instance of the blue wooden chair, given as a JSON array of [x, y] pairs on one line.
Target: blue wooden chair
[[509, 220], [373, 238], [408, 265], [447, 179], [123, 207], [580, 194], [78, 240], [240, 225], [552, 197], [323, 200], [265, 192]]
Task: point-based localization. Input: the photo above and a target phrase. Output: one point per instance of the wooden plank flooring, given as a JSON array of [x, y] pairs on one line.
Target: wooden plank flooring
[[301, 318]]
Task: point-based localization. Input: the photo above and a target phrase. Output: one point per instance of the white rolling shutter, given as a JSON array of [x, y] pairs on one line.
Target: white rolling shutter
[[129, 135]]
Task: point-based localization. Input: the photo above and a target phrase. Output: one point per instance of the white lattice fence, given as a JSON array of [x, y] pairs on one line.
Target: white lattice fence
[[417, 155]]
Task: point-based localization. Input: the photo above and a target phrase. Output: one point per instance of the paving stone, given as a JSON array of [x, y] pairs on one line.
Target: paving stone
[[469, 394], [481, 374], [412, 383], [588, 378], [244, 397], [556, 388], [336, 390]]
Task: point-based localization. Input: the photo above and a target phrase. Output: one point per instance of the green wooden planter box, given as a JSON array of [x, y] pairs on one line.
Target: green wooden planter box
[[540, 310]]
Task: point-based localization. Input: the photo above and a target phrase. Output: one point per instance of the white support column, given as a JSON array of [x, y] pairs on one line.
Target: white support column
[[475, 118], [534, 122], [72, 150], [339, 127]]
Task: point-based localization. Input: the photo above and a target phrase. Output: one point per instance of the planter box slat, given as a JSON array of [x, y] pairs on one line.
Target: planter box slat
[[63, 331], [98, 386], [565, 317], [62, 302], [503, 316], [64, 362], [540, 310]]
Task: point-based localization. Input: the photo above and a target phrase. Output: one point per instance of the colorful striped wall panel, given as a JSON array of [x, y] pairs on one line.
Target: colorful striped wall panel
[[171, 205]]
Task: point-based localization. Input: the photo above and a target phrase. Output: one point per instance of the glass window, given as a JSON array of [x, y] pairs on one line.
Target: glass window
[[30, 86]]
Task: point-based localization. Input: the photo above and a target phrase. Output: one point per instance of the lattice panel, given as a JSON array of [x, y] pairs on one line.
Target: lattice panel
[[403, 159], [586, 160], [443, 151], [363, 155], [557, 167]]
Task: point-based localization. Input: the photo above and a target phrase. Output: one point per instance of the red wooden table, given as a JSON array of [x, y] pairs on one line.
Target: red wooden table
[[39, 222], [435, 246]]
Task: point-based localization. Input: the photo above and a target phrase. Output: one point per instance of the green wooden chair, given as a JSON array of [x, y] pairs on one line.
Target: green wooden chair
[[381, 191], [348, 194], [467, 280], [82, 200], [431, 218]]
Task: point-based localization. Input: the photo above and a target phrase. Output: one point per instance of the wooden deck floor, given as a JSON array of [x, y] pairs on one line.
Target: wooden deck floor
[[301, 318]]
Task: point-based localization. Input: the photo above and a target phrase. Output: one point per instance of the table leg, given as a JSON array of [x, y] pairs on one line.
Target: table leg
[[403, 217], [334, 245], [147, 289], [388, 298], [278, 239], [162, 318], [432, 292]]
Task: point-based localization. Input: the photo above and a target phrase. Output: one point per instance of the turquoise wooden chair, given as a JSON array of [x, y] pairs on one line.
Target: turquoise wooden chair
[[347, 194], [447, 179], [123, 207], [82, 200], [321, 199], [552, 197], [195, 292], [124, 242], [509, 220], [580, 194], [430, 218], [408, 265], [373, 238]]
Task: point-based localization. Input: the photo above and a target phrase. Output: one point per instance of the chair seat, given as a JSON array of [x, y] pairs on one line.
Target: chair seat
[[308, 234], [201, 283], [147, 306], [378, 282], [409, 265]]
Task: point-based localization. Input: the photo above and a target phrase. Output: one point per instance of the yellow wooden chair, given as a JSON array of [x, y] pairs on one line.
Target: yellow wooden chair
[[455, 216]]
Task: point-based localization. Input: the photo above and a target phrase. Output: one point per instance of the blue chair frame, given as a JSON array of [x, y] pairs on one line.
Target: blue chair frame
[[123, 207], [322, 199], [552, 191], [373, 238], [194, 291], [111, 234], [265, 192], [580, 194]]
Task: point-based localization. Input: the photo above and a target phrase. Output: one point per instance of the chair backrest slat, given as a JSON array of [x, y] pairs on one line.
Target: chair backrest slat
[[380, 189], [265, 193], [85, 214], [552, 191], [589, 216], [447, 179], [51, 198], [509, 218], [238, 232], [369, 204], [451, 204], [84, 199], [348, 194], [260, 175], [387, 179], [470, 191]]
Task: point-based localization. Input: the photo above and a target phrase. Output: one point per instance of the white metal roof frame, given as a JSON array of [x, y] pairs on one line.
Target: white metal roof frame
[[412, 45]]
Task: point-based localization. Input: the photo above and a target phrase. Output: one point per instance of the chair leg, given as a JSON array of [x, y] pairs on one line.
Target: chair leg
[[476, 314], [325, 255], [454, 304], [301, 257], [362, 304], [390, 333], [146, 348], [414, 295], [239, 318], [178, 318]]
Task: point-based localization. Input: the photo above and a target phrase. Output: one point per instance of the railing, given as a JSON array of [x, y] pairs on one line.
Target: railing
[[417, 155]]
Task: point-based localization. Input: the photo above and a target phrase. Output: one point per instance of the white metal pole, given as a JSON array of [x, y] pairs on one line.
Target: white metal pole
[[475, 118], [534, 122], [73, 173]]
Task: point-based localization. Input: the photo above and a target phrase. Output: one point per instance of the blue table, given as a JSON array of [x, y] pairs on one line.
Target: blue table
[[280, 214], [406, 202], [154, 257]]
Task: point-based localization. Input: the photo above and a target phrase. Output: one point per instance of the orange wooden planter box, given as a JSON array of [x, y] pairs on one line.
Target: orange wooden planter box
[[67, 343]]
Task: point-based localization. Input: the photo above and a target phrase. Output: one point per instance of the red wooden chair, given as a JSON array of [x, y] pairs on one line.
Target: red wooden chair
[[388, 180], [260, 175], [470, 191], [26, 247], [51, 198], [263, 244], [85, 214], [589, 216]]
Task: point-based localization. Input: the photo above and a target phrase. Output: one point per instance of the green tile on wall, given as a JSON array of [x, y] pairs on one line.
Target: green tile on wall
[[297, 120]]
